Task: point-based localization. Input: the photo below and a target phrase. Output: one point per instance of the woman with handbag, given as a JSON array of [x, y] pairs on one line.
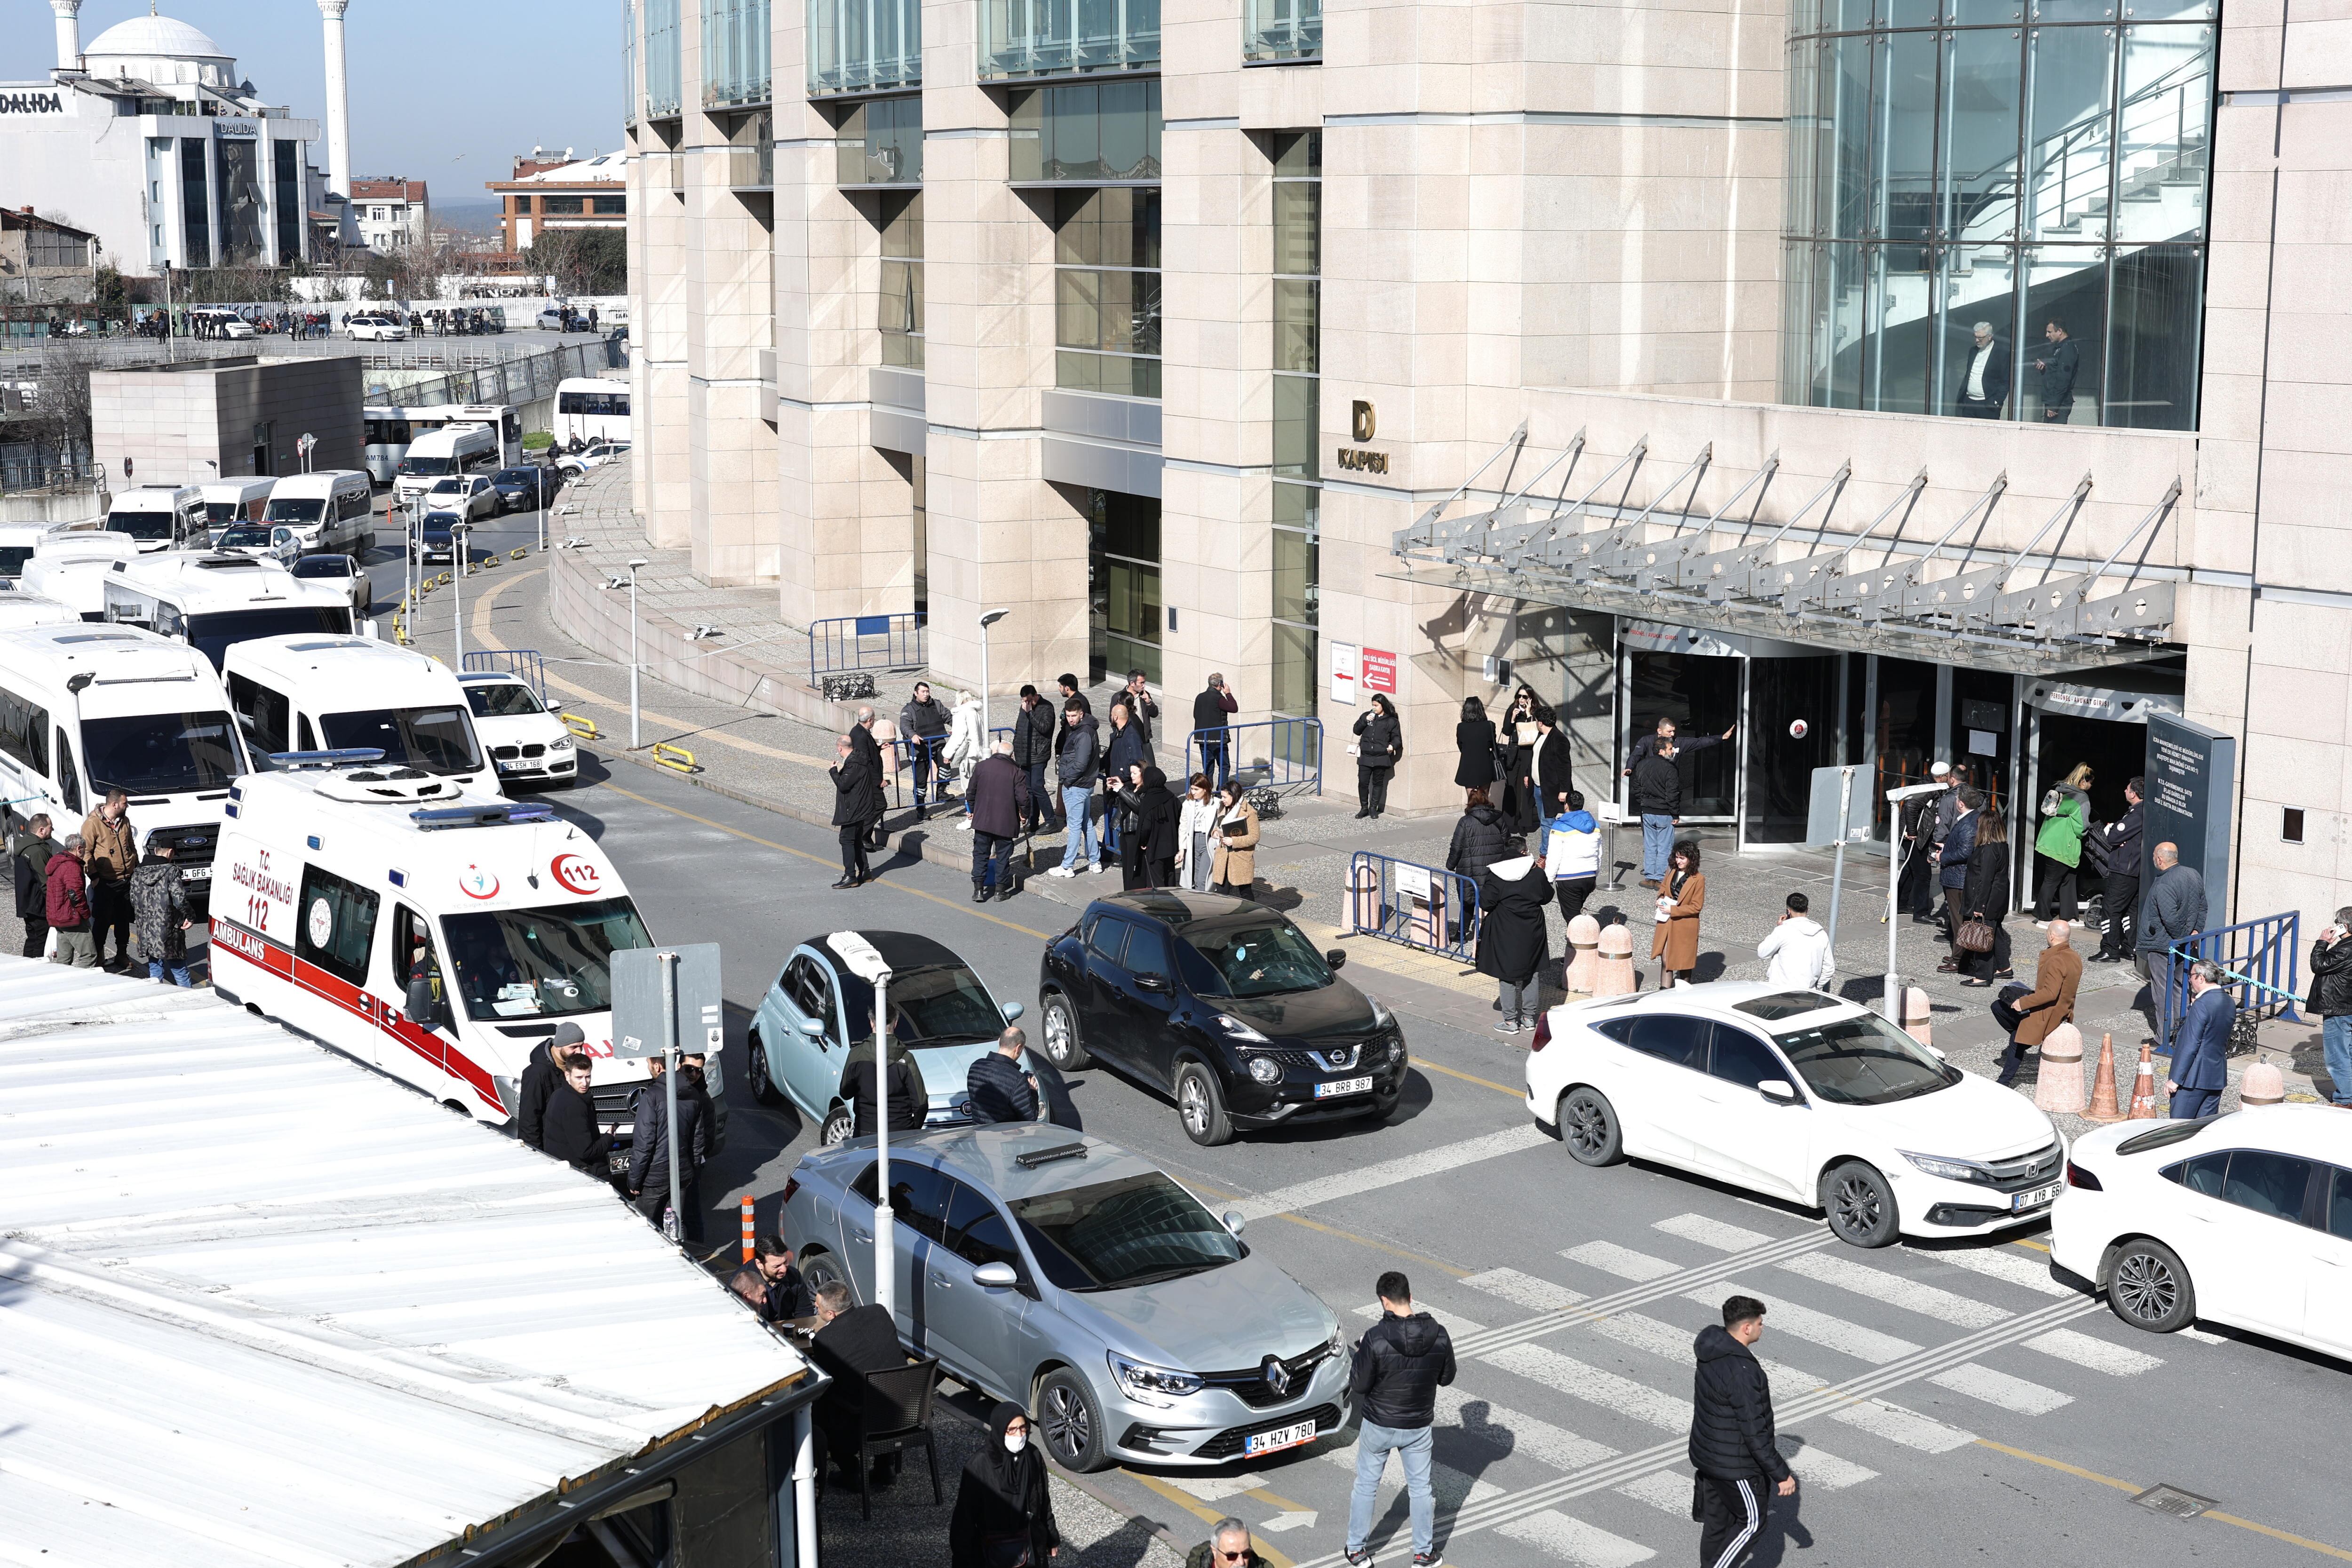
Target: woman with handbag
[[1379, 741], [1513, 943], [1982, 939], [1682, 894]]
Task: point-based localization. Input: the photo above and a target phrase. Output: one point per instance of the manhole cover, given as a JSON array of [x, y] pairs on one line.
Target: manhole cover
[[2171, 1499]]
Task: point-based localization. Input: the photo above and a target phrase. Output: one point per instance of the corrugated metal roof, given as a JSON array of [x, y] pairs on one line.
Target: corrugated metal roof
[[261, 1306]]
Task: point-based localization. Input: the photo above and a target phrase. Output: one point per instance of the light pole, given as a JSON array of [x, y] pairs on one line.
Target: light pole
[[458, 529], [986, 621], [612, 582], [867, 963], [1895, 798]]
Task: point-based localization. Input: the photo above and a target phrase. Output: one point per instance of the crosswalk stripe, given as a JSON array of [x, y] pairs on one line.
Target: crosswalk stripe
[[1671, 1344], [1497, 1427], [1449, 1488], [1820, 1470], [1929, 1300], [2097, 1355], [1908, 1427], [1573, 1540], [1456, 1326], [1392, 1172], [2003, 1263], [1799, 1322], [1655, 1289], [1623, 1261], [1526, 1289], [1668, 1492], [1216, 1489], [1718, 1234], [1593, 1385], [1999, 1388]]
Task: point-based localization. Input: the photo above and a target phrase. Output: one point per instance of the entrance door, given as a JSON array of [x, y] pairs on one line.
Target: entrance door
[[1785, 696], [1700, 692]]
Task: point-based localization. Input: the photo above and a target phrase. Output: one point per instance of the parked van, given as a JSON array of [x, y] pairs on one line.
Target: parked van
[[235, 500], [87, 708], [439, 934], [72, 569], [337, 693], [19, 539], [159, 517], [215, 601], [452, 449], [333, 510], [32, 610]]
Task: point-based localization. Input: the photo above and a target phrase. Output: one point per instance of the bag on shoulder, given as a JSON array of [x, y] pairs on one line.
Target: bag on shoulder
[[2050, 801]]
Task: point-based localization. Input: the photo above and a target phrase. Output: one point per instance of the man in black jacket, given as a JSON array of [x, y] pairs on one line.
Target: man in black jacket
[[1033, 752], [1400, 1363], [648, 1179], [1212, 715], [2058, 364], [853, 791], [541, 1077], [1732, 1445], [33, 852], [770, 1283], [2331, 998], [923, 725], [1984, 376], [850, 1342], [2116, 846]]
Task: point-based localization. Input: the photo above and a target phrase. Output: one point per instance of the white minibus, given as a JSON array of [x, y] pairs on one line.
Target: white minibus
[[160, 517], [19, 539], [335, 693], [588, 408], [390, 430], [213, 602], [234, 501], [438, 454], [72, 569], [332, 510]]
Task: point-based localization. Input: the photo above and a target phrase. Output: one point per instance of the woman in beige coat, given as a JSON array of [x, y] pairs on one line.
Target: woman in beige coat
[[1681, 896], [1237, 864]]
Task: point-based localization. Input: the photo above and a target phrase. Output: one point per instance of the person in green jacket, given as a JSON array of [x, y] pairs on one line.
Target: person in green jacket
[[2065, 817]]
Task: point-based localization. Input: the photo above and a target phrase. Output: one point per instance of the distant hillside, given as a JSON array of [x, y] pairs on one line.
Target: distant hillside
[[474, 214]]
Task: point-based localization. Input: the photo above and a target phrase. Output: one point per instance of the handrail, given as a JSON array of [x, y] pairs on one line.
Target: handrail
[[839, 644], [2267, 957], [1422, 907], [1295, 762]]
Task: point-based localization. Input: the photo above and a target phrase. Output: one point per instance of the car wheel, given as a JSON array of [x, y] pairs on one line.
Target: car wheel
[[1070, 1421], [1859, 1205], [1060, 1030], [840, 1127], [1200, 1106], [1588, 1125], [2148, 1287], [822, 1269], [763, 1088]]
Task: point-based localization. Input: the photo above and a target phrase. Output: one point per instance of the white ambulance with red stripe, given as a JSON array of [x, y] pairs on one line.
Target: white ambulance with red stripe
[[438, 933]]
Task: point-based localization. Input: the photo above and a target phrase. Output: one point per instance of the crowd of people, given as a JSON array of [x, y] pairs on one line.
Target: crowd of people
[[93, 890]]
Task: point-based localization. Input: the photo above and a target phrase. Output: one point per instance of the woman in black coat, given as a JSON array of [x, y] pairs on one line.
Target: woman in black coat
[[1379, 741], [1003, 1510], [1518, 797], [1473, 744], [1513, 940], [1986, 898], [1147, 854]]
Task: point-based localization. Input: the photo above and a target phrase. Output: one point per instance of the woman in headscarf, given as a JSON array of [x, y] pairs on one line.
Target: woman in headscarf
[[1004, 1512], [1155, 830]]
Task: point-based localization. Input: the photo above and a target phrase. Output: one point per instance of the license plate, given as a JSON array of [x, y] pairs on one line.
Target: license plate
[[1289, 1436], [196, 873], [2036, 1198], [617, 1163], [1343, 1086]]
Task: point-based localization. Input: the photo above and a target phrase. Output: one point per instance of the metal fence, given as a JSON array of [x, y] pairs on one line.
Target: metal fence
[[865, 642], [1412, 905], [2262, 960], [1289, 751], [523, 663]]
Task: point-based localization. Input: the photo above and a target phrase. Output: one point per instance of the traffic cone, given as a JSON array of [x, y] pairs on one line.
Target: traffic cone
[[2058, 1081], [2103, 1088], [2142, 1101], [749, 1230]]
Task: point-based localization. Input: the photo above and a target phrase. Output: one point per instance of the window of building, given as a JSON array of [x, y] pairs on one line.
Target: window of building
[[662, 63], [562, 205], [1281, 29], [610, 207], [857, 45], [1057, 38], [1948, 169], [287, 174], [880, 142], [1085, 133], [1106, 305], [521, 204], [734, 52], [195, 204], [1123, 584], [1298, 496], [901, 315], [628, 62]]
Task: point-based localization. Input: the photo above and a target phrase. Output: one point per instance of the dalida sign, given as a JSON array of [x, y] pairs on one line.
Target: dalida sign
[[34, 103]]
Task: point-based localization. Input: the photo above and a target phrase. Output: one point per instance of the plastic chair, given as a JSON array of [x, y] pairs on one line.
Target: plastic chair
[[896, 1416]]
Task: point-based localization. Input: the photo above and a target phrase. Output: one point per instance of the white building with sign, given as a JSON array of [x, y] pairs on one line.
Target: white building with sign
[[149, 139]]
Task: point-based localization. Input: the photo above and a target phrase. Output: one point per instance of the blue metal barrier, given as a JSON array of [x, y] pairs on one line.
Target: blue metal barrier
[[2261, 961], [1288, 751], [865, 642], [523, 663], [1414, 906]]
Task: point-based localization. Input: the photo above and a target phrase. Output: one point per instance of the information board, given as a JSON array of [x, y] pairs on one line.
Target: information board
[[2189, 772]]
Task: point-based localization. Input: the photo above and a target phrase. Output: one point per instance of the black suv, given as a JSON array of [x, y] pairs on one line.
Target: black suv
[[1224, 1004]]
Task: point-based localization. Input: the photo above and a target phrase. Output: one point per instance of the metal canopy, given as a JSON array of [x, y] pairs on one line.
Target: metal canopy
[[1655, 562]]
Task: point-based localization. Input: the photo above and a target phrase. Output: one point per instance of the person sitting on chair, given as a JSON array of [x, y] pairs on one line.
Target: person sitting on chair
[[851, 1341], [2028, 1017]]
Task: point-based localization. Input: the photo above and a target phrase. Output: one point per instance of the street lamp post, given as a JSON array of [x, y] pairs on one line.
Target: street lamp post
[[613, 582], [458, 529], [867, 962], [986, 621], [1895, 798]]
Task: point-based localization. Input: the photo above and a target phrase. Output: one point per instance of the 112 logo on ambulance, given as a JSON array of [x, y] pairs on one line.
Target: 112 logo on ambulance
[[581, 876]]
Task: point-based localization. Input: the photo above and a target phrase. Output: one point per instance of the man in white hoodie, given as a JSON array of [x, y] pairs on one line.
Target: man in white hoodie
[[1797, 954]]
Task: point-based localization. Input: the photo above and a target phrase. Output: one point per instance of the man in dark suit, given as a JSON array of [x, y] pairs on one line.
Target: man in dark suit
[[1212, 711], [851, 1341], [2058, 364], [1984, 376], [2201, 1055]]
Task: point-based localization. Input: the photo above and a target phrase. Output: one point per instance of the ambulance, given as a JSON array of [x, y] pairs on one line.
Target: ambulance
[[436, 933]]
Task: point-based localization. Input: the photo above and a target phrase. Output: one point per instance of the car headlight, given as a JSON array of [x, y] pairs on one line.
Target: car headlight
[[710, 1079], [563, 745], [1151, 1385], [1950, 1170], [1338, 1345], [1381, 1017], [1236, 1029], [509, 1090], [1266, 1069]]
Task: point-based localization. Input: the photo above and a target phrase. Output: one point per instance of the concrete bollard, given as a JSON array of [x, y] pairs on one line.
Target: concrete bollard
[[1915, 1022], [2263, 1085], [2102, 1090], [1359, 905], [1584, 940], [2143, 1099], [1613, 974], [2058, 1084]]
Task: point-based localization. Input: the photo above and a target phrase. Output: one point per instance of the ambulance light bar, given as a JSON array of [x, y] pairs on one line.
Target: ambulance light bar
[[432, 820], [348, 757]]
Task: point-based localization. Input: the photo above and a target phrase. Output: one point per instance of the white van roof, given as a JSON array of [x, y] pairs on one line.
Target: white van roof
[[22, 609], [251, 486], [321, 483], [85, 544], [364, 672], [133, 667], [153, 498], [444, 441], [200, 581]]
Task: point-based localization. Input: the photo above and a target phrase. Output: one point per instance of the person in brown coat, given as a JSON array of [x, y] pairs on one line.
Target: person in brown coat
[[1680, 895], [2028, 1017], [113, 855], [1236, 865]]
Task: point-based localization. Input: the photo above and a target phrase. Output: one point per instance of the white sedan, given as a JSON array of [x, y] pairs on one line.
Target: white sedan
[[1799, 1095], [2243, 1219], [529, 744]]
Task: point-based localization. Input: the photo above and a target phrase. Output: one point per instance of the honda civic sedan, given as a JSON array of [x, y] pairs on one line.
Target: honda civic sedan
[[1224, 1005], [1799, 1095], [1084, 1284], [2244, 1219]]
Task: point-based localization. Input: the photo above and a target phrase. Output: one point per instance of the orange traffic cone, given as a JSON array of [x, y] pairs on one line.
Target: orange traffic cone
[[2142, 1101], [2103, 1088]]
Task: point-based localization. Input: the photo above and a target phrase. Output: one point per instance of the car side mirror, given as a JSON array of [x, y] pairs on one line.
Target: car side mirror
[[996, 1276], [1778, 1091], [1337, 958], [813, 1029], [1154, 983], [1013, 1010], [1234, 1221]]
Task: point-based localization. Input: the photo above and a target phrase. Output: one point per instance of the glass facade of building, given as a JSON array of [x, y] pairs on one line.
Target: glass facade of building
[[1099, 143], [1957, 163], [1123, 585], [628, 62], [1066, 38], [880, 143], [1281, 29], [663, 57], [735, 53], [1297, 497], [901, 315], [859, 46]]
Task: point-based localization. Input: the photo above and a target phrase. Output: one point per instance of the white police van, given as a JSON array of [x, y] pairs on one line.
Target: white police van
[[344, 693]]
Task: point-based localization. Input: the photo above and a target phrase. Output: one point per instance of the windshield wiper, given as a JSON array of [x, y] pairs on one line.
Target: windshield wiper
[[1165, 1274]]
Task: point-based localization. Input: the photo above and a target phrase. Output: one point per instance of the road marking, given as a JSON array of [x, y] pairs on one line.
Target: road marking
[[1451, 1270], [1670, 1343], [1573, 1540], [1821, 1471], [1999, 1263], [1216, 1489], [1451, 1486], [2097, 1355], [1518, 1094], [1622, 1261], [1508, 1431], [1999, 1388], [1200, 1511], [1391, 1173], [1658, 1289], [1715, 1233], [1823, 1329], [1908, 1427], [1579, 1380], [1668, 1492], [1454, 1322], [2122, 1485], [1524, 1290], [1895, 1290]]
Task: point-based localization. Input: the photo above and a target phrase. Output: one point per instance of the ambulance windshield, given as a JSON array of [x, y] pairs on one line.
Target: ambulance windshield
[[541, 964]]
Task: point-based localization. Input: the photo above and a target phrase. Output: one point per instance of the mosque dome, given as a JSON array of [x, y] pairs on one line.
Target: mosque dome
[[155, 37]]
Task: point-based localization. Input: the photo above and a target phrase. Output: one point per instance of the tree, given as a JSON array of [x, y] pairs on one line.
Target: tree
[[582, 260]]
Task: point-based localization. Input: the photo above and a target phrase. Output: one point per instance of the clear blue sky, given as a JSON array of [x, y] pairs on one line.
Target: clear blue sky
[[441, 90]]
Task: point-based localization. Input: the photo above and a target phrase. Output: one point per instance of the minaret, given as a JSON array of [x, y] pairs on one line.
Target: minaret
[[69, 33], [338, 113]]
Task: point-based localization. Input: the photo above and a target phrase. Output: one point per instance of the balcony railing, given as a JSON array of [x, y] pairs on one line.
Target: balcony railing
[[1282, 30], [1066, 38], [864, 45]]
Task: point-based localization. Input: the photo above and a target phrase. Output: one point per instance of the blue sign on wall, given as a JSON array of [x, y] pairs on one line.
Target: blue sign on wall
[[2190, 776]]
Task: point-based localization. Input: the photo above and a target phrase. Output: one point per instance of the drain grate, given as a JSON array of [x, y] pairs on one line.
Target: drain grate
[[2171, 1499]]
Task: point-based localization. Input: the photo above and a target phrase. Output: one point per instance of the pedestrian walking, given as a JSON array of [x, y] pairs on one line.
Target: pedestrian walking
[[68, 906], [923, 721], [965, 746], [2331, 998], [1196, 830], [1734, 1446], [2058, 845], [159, 915], [1380, 743], [770, 1283], [2200, 1057], [2028, 1017], [2115, 850], [34, 848], [1228, 1546], [568, 1128], [1212, 716], [1514, 942], [1399, 1364], [1657, 791], [1571, 856], [1003, 1510], [1547, 769], [1915, 892], [648, 1176], [1475, 766], [1518, 734], [1681, 896], [113, 854], [1000, 1088], [2172, 912], [1077, 763], [1142, 708], [1236, 871], [853, 784], [1984, 894], [543, 1073], [1033, 753], [1952, 853], [1797, 951], [999, 798]]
